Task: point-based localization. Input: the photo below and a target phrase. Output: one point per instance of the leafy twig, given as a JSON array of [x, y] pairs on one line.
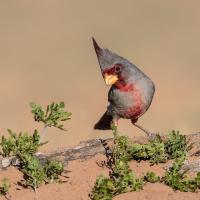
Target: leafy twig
[[4, 187], [52, 116]]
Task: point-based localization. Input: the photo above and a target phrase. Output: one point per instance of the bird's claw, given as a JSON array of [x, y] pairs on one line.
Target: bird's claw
[[151, 136]]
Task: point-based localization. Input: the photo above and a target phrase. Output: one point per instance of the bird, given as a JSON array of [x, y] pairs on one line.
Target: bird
[[131, 90]]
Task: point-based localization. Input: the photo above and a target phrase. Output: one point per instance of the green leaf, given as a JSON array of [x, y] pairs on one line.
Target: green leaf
[[151, 177]]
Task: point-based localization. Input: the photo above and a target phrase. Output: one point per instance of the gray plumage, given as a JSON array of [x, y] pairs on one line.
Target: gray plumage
[[131, 96]]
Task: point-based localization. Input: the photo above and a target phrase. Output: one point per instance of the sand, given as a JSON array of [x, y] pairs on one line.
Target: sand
[[80, 177]]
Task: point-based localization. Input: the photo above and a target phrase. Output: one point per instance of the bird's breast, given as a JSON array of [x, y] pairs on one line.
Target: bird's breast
[[127, 102], [137, 108]]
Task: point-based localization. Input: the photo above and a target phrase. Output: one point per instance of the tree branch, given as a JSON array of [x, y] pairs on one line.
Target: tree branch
[[90, 148]]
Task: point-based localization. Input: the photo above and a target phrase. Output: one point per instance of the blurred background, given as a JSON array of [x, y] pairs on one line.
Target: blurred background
[[46, 55]]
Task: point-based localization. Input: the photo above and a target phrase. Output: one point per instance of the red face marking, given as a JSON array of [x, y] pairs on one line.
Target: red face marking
[[116, 69], [110, 71], [120, 84]]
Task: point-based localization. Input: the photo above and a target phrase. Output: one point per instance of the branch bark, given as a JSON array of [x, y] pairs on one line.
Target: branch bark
[[87, 149], [83, 150]]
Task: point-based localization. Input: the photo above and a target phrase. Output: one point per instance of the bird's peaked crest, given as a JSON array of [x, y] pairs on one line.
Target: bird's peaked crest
[[96, 47], [105, 57]]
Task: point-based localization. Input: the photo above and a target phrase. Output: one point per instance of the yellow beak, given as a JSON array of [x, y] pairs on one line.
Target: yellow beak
[[110, 79]]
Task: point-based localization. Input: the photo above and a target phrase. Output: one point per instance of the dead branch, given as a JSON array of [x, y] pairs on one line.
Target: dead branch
[[87, 149]]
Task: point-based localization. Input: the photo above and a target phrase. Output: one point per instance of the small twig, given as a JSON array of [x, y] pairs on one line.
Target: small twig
[[7, 196], [35, 191], [43, 133]]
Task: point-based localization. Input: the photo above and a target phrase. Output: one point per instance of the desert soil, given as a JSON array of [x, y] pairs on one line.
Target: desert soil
[[79, 179]]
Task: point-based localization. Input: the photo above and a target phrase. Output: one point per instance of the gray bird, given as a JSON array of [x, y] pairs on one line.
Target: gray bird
[[131, 91]]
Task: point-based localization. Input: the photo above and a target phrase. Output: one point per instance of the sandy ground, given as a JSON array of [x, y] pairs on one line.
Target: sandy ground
[[77, 183]]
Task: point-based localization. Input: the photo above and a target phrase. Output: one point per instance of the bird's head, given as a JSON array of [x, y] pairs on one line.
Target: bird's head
[[114, 68]]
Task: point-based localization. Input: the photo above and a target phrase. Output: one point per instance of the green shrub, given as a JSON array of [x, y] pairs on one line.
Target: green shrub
[[24, 146], [177, 179], [153, 151], [53, 169], [21, 143], [34, 173], [151, 177], [121, 179], [176, 145], [4, 186], [52, 116], [103, 189]]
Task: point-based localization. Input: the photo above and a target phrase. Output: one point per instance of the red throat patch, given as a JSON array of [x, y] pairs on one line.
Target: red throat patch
[[124, 87]]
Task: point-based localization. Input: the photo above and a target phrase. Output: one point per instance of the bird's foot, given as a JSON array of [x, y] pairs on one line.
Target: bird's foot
[[150, 135]]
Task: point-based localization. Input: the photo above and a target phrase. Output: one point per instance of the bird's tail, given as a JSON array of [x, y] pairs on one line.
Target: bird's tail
[[104, 123]]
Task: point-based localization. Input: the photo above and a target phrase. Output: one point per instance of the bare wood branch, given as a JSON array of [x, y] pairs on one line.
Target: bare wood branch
[[90, 148], [84, 150]]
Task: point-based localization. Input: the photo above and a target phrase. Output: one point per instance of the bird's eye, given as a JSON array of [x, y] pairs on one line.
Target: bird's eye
[[117, 68]]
